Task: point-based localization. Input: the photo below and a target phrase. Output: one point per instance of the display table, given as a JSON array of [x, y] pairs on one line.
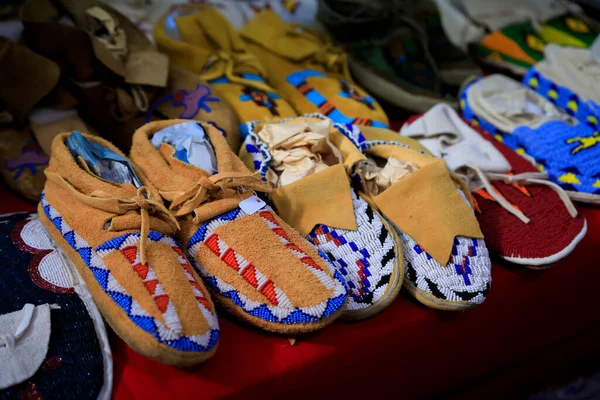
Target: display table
[[534, 327]]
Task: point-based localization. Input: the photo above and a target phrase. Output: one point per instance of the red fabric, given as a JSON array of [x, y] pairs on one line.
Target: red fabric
[[532, 326], [406, 351]]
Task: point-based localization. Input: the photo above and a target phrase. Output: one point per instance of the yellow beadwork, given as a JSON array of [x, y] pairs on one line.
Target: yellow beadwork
[[569, 178], [577, 25], [533, 82], [535, 43]]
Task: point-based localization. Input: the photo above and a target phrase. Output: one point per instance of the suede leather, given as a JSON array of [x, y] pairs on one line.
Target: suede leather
[[205, 32], [188, 96], [112, 91], [26, 78], [248, 236], [283, 52], [69, 184], [430, 188], [322, 198]]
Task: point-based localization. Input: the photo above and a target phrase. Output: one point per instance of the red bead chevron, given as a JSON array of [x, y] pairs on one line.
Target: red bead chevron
[[246, 270]]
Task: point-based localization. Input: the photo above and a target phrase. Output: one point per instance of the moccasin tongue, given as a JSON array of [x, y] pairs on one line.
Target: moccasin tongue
[[190, 31], [431, 194], [208, 29], [322, 197], [219, 30]]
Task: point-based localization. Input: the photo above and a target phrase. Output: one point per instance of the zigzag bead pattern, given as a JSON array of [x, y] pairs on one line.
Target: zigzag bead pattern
[[365, 257], [466, 277], [167, 333], [279, 309]]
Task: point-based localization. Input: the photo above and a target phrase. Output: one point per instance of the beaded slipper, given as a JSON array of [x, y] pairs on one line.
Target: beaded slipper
[[309, 72], [569, 154], [52, 337], [499, 104], [512, 199], [256, 266], [111, 222], [447, 262], [526, 122], [200, 39], [309, 170], [567, 77]]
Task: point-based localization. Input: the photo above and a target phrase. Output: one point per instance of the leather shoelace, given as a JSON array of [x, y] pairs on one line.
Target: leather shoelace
[[333, 58], [213, 188], [230, 63], [524, 179], [121, 206]]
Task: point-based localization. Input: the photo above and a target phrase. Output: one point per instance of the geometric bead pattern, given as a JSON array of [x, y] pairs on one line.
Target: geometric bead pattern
[[278, 307], [366, 258], [312, 266], [466, 277], [246, 270], [167, 332], [298, 80], [554, 146]]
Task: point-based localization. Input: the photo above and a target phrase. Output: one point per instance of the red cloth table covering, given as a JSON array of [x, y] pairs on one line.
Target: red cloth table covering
[[533, 326]]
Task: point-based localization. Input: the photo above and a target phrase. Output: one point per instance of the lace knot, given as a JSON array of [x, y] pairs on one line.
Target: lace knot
[[141, 197], [121, 205], [217, 186]]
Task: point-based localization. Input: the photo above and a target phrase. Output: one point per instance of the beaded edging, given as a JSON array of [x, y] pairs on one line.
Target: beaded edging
[[168, 333], [279, 308]]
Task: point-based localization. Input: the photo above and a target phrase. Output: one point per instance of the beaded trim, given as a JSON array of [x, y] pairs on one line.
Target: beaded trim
[[560, 96], [298, 80], [280, 309], [575, 173], [259, 150], [366, 258], [466, 277], [55, 276], [168, 333], [476, 121]]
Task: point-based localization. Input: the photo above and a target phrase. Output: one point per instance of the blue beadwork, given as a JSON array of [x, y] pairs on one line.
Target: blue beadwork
[[122, 300]]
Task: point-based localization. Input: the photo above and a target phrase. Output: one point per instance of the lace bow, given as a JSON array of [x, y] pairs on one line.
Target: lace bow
[[122, 205]]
